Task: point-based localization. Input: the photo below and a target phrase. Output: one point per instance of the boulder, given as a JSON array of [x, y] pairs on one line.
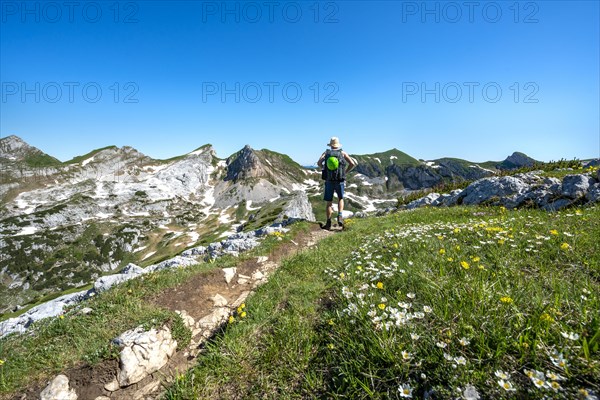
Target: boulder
[[423, 201], [238, 245], [298, 208], [576, 186], [106, 282], [49, 309], [593, 194], [143, 352], [229, 273], [539, 198], [58, 389], [530, 178], [177, 261], [492, 189], [449, 199]]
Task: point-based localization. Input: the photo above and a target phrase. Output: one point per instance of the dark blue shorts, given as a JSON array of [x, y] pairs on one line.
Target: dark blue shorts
[[330, 187]]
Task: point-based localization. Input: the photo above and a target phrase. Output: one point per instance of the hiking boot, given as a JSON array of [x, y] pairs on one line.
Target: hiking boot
[[327, 225], [340, 221]]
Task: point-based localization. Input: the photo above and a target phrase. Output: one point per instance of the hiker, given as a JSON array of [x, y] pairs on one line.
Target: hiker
[[335, 164]]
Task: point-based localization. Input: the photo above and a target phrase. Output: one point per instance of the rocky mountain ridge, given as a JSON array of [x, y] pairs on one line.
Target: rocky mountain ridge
[[91, 215], [65, 224]]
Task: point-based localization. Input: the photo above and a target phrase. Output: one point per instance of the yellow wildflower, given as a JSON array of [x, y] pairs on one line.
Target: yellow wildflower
[[465, 265], [546, 317], [506, 299], [379, 285], [565, 246], [243, 314], [450, 259], [476, 259], [231, 319], [1, 362], [381, 306], [553, 232], [442, 251]]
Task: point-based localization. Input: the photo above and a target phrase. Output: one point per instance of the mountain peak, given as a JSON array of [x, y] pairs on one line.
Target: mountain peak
[[516, 160], [244, 164], [13, 144], [14, 149]]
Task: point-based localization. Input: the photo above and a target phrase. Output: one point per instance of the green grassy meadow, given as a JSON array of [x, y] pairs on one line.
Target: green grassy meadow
[[433, 303]]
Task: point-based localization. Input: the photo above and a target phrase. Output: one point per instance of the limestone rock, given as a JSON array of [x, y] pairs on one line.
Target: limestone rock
[[423, 201], [188, 320], [106, 282], [58, 389], [218, 300], [143, 352], [112, 386], [593, 195], [576, 186], [298, 208], [490, 189], [229, 273], [257, 275]]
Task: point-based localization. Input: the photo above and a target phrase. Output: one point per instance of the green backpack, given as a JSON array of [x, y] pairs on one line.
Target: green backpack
[[335, 166]]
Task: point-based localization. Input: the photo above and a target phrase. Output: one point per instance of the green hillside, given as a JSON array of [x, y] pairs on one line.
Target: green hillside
[[39, 160], [393, 156], [78, 159]]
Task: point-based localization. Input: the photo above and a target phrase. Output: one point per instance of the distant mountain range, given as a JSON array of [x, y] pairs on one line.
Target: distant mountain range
[[63, 224]]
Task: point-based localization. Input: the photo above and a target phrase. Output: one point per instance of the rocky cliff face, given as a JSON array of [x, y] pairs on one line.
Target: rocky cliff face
[[244, 165]]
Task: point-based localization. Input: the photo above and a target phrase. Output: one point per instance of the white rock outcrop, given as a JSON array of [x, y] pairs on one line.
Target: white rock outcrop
[[143, 352]]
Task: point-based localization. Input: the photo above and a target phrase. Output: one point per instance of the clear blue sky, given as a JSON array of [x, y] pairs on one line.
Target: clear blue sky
[[368, 71]]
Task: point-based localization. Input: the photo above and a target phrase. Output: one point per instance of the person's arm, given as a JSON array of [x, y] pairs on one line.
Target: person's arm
[[321, 160], [351, 162]]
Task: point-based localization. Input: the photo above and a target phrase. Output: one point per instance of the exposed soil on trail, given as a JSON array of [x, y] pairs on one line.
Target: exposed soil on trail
[[195, 298]]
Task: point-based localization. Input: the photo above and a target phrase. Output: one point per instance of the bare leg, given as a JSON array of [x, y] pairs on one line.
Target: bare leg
[[329, 209], [340, 206]]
